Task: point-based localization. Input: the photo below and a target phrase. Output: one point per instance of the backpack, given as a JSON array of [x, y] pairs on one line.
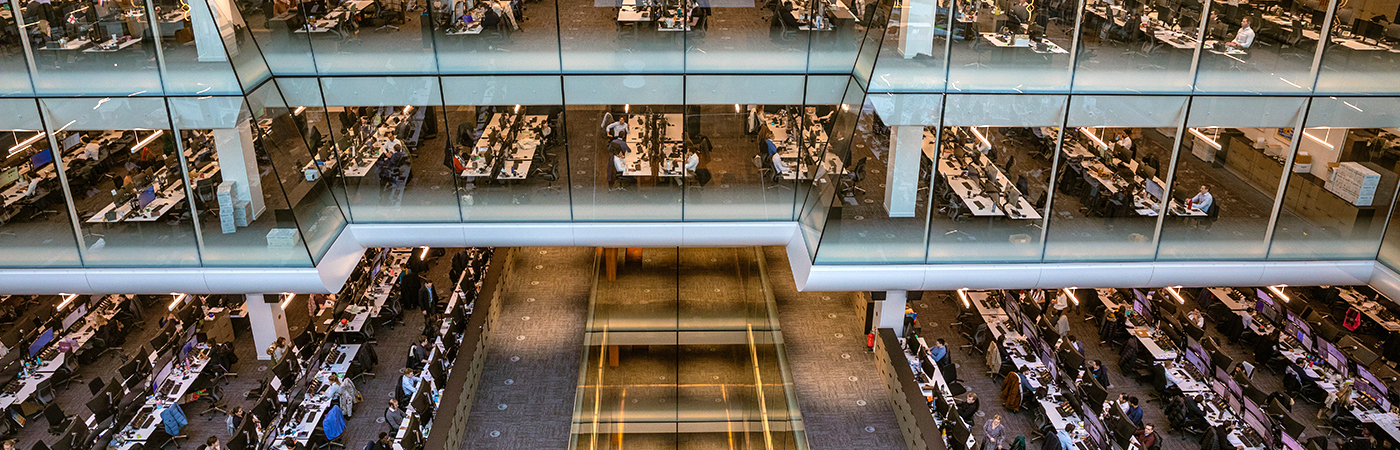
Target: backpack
[[1019, 443]]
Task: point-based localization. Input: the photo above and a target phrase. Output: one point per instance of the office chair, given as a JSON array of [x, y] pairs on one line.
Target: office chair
[[96, 385], [850, 181], [44, 391], [549, 173], [58, 420]]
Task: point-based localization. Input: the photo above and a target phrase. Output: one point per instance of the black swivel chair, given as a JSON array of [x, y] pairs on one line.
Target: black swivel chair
[[58, 421], [850, 181]]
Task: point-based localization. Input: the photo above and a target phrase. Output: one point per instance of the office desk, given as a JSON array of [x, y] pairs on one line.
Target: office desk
[[979, 300], [130, 436], [1045, 47], [978, 202], [637, 128], [633, 14], [1371, 309], [113, 45], [520, 153], [377, 294], [166, 199], [30, 384], [1229, 300], [367, 155], [937, 385], [1183, 380], [70, 45]]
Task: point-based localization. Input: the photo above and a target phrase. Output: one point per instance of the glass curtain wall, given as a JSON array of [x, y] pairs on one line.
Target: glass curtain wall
[[36, 229], [1137, 45], [273, 26], [817, 199], [1227, 177], [14, 71], [1111, 171], [1247, 48], [1019, 45], [508, 148], [1342, 186], [1359, 56], [995, 166], [326, 148], [913, 52], [881, 209], [126, 173], [500, 36], [394, 161], [196, 39], [750, 142], [627, 156], [90, 47]]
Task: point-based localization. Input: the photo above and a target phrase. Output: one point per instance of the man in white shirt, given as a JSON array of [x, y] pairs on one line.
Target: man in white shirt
[[618, 128], [392, 144], [692, 162], [1243, 38], [1203, 200], [778, 166], [1125, 140]]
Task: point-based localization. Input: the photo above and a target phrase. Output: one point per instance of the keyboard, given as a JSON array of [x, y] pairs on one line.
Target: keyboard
[[1367, 403], [13, 388], [1251, 438], [340, 359]]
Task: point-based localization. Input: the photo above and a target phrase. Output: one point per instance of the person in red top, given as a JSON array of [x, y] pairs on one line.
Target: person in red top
[[1147, 437]]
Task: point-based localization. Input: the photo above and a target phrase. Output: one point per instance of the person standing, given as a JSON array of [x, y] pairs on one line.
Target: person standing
[[996, 434]]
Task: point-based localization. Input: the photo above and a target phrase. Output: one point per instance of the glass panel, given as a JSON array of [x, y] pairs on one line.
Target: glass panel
[[271, 23], [1248, 51], [1360, 56], [1137, 46], [834, 49], [496, 36], [605, 35], [817, 199], [1112, 168], [982, 214], [1026, 49], [90, 47], [729, 35], [303, 96], [1233, 150], [355, 37], [734, 125], [1343, 181], [247, 58], [14, 73], [35, 228], [914, 54], [508, 148], [625, 155], [218, 139], [192, 48], [881, 210], [284, 133], [394, 153], [129, 188]]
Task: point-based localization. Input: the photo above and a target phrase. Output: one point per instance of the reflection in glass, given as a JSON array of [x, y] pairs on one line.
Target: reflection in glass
[[881, 207], [1248, 49], [642, 36], [272, 24], [496, 36], [14, 75], [127, 181], [912, 58], [192, 37], [1228, 168], [1343, 182], [1137, 46], [35, 230], [90, 47], [1011, 44], [1360, 56]]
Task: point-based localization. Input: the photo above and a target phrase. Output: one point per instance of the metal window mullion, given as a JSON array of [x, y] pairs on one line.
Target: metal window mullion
[[20, 26], [1200, 44], [63, 183], [184, 180], [1171, 178], [1284, 178], [160, 52], [1050, 185]]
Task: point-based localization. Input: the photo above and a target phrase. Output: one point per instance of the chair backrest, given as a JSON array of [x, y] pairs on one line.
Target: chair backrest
[[858, 173], [1392, 31], [1345, 14], [95, 386]]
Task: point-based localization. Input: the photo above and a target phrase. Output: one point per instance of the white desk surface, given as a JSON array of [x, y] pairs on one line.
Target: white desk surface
[[977, 202], [186, 379]]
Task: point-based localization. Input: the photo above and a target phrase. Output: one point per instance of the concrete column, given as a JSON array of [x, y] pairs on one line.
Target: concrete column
[[902, 175], [268, 320], [916, 20], [239, 164], [892, 310]]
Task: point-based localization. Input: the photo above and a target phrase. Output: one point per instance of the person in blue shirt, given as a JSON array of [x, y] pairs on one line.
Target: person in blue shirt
[[1066, 437], [410, 381], [938, 352], [1134, 412]]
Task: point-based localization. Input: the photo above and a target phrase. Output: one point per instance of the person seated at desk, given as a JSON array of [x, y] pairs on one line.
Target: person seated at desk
[[385, 441], [212, 444], [779, 167], [290, 444], [967, 409], [393, 416], [1147, 437], [1099, 372], [1134, 411], [1066, 436], [939, 352], [784, 19], [409, 382], [1018, 18], [617, 129], [1074, 343], [418, 354], [1244, 37], [1196, 318], [1127, 142]]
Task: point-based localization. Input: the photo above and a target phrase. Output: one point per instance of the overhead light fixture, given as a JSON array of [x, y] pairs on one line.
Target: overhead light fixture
[[147, 141], [424, 253], [1175, 292], [407, 108], [1203, 137], [626, 108], [297, 112], [66, 299], [980, 137], [1089, 133], [517, 109], [27, 142], [176, 301], [736, 108], [1319, 140], [286, 298], [1069, 292], [1278, 290], [962, 293]]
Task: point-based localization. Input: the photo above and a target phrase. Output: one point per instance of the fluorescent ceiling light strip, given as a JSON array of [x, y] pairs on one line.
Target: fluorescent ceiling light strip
[[1205, 138], [27, 142]]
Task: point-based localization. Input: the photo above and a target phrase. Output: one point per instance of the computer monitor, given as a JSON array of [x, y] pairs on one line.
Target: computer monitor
[[1332, 355], [73, 317], [957, 429], [1093, 428], [40, 159], [1142, 306], [1260, 426], [1233, 402], [42, 341], [1303, 326], [1218, 387], [146, 196], [1289, 443], [940, 406], [1235, 389], [1148, 173], [1201, 364], [160, 376], [1369, 377], [410, 439], [1293, 330], [1154, 189], [1093, 391], [8, 176]]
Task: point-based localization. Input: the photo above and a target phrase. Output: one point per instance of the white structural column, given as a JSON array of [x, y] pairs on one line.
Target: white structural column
[[916, 20], [902, 175], [892, 311], [209, 33], [239, 164], [268, 320]]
